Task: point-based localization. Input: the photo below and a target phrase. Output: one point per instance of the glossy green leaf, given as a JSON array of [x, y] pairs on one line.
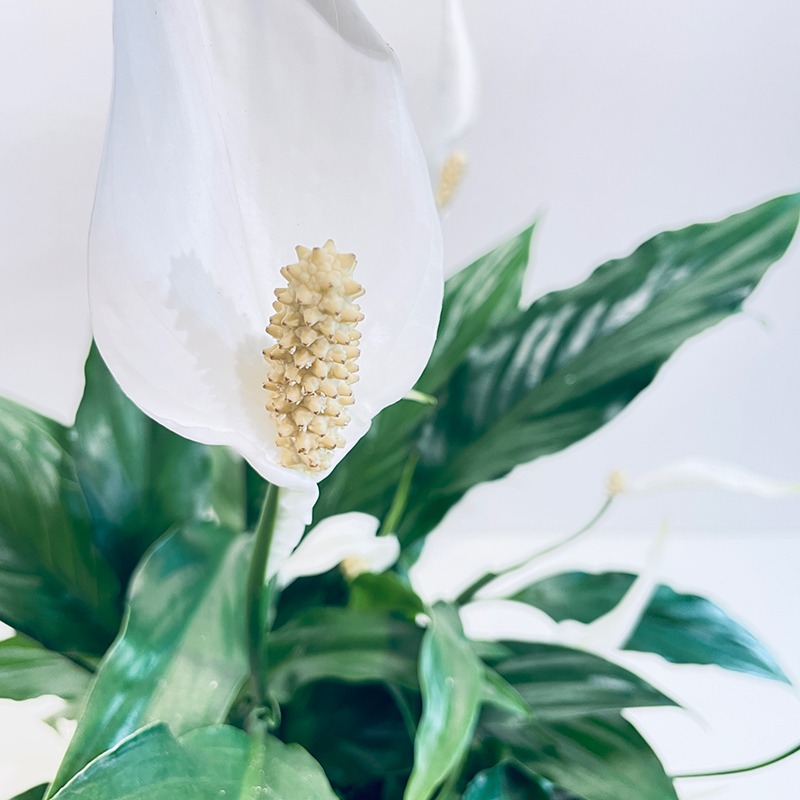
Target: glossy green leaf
[[54, 585], [341, 644], [505, 782], [682, 628], [600, 757], [140, 479], [480, 296], [29, 670], [450, 679], [559, 682], [206, 764], [181, 656], [562, 369]]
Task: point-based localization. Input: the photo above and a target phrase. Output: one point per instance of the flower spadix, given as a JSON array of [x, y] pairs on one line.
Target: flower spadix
[[239, 132]]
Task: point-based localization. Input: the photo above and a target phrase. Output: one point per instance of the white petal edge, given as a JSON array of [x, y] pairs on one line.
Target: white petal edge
[[237, 133], [698, 473], [336, 538]]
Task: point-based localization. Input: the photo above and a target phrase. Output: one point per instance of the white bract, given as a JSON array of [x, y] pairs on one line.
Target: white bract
[[350, 540]]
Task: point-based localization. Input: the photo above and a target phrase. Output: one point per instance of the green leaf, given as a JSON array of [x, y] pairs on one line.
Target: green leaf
[[205, 764], [385, 592], [480, 296], [36, 793], [498, 692], [682, 628], [476, 299], [54, 585], [341, 644], [505, 782], [600, 757], [450, 679], [181, 656], [355, 731], [562, 369], [140, 479], [559, 682], [29, 670]]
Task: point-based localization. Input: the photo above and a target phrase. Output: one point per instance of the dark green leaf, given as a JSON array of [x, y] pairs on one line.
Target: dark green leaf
[[181, 656], [682, 628], [139, 478], [355, 731], [345, 645], [482, 295], [205, 764], [450, 679], [54, 586], [37, 793], [506, 782], [558, 682], [600, 757], [570, 363], [28, 670]]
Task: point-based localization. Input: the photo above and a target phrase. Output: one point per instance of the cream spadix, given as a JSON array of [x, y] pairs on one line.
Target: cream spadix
[[239, 131]]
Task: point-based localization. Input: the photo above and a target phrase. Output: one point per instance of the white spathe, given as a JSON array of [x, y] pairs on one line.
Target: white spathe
[[707, 473], [336, 539], [237, 133]]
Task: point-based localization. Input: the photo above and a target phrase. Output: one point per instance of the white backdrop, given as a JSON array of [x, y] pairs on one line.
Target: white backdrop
[[612, 120]]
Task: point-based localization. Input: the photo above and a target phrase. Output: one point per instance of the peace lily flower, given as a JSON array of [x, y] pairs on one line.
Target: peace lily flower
[[51, 144], [349, 540]]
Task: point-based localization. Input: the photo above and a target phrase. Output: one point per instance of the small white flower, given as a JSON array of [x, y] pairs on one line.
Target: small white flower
[[349, 540]]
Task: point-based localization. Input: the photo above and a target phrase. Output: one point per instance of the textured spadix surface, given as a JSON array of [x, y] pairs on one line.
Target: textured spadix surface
[[236, 134]]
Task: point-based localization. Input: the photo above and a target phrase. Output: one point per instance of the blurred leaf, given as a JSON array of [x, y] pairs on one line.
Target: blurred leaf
[[385, 592], [569, 364], [29, 670], [450, 679], [600, 757], [559, 682], [505, 782], [682, 628], [340, 644], [205, 764], [181, 655], [480, 296], [498, 692], [54, 586], [140, 479]]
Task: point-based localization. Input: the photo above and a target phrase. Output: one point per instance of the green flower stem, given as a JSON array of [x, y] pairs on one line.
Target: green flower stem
[[256, 594], [400, 499], [486, 579], [740, 770]]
